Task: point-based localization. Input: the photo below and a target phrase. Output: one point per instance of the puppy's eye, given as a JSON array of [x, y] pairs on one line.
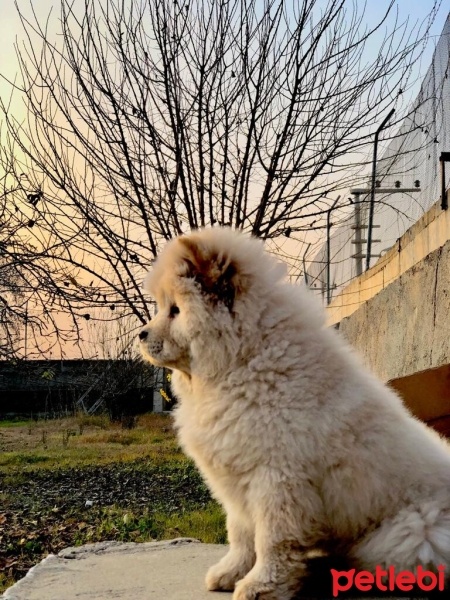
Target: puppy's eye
[[174, 310]]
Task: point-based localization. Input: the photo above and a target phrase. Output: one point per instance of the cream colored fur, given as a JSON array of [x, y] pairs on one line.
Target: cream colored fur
[[303, 447]]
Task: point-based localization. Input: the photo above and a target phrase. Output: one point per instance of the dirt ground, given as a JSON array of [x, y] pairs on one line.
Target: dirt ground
[[69, 482]]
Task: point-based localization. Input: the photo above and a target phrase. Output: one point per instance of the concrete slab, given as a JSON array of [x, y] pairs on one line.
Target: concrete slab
[[169, 570]]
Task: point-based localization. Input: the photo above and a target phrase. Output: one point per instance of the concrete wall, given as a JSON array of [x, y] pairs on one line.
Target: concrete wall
[[405, 328], [397, 315]]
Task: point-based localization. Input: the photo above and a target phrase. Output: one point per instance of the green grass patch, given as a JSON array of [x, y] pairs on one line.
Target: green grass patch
[[6, 581], [14, 423], [19, 459], [206, 524], [84, 457], [85, 440]]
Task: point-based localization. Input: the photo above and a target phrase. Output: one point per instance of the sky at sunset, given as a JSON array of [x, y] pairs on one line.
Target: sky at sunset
[[11, 33]]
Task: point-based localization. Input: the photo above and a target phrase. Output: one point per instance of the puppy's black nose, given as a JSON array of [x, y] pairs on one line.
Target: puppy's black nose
[[142, 335]]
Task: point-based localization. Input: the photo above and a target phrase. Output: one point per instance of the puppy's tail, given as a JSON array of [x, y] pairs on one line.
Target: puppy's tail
[[415, 536]]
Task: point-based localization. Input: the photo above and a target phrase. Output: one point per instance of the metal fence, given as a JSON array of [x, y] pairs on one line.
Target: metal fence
[[410, 159]]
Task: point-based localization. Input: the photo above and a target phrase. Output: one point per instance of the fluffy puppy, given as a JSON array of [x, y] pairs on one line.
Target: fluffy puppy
[[305, 449]]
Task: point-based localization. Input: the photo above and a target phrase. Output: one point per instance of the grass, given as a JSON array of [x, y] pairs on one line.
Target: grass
[[36, 454], [83, 441], [14, 423], [6, 581], [206, 525]]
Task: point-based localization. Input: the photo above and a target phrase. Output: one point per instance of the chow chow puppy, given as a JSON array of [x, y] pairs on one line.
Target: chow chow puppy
[[305, 450]]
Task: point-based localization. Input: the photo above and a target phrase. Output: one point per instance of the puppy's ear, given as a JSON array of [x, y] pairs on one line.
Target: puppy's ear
[[214, 270]]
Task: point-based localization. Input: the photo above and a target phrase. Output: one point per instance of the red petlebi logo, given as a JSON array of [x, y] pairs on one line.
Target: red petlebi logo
[[388, 579]]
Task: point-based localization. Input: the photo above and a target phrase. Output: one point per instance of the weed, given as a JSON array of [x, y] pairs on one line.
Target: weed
[[129, 422], [31, 427], [6, 580], [118, 437], [88, 421], [66, 435]]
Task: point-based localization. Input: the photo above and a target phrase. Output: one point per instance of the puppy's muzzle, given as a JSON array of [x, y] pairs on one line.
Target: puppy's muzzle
[[153, 347]]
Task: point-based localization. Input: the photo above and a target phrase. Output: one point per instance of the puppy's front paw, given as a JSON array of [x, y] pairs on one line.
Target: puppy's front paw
[[225, 574], [256, 590], [216, 579]]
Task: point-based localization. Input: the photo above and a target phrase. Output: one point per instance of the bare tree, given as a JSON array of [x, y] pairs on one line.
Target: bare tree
[[34, 289], [11, 314], [147, 118], [27, 288]]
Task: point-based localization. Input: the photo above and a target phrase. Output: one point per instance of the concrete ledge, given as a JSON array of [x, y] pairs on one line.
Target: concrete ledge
[[169, 570]]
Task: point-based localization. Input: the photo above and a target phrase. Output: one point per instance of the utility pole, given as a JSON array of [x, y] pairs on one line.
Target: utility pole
[[359, 227], [372, 187], [25, 350], [358, 238], [305, 273], [329, 225], [444, 157]]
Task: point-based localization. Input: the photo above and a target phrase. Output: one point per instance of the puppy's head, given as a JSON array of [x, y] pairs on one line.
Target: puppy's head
[[204, 283]]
